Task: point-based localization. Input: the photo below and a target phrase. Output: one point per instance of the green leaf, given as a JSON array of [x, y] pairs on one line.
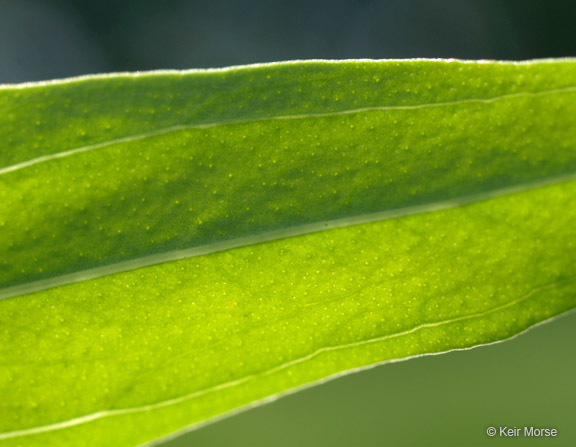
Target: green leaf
[[176, 246]]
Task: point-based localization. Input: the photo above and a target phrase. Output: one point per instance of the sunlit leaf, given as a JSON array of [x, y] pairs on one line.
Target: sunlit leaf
[[176, 246]]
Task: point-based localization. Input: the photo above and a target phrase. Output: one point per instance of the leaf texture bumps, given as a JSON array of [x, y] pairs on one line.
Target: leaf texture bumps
[[176, 246]]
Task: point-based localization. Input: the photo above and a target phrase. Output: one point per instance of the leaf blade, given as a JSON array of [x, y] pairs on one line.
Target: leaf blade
[[306, 299], [208, 194]]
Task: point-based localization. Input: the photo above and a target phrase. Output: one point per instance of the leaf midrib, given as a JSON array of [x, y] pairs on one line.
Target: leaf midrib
[[182, 127], [283, 233]]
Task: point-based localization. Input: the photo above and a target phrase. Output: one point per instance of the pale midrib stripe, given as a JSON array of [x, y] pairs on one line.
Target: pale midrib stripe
[[180, 127], [167, 403], [270, 236]]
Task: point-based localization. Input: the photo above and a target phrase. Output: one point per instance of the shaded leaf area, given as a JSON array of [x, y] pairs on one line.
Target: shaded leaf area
[[104, 170], [135, 356]]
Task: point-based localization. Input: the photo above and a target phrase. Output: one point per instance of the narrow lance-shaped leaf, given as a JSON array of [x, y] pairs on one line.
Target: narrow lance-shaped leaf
[[176, 246]]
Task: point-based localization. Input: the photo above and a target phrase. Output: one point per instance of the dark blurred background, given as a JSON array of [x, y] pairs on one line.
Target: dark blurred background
[[45, 39], [446, 400]]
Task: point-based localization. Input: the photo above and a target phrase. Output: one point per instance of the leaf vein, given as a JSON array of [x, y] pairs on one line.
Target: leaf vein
[[270, 236], [180, 127]]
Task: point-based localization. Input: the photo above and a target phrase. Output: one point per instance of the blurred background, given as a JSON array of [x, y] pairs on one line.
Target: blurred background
[[446, 400], [46, 39]]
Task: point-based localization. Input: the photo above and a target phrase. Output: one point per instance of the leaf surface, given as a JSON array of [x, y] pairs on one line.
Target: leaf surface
[[177, 246]]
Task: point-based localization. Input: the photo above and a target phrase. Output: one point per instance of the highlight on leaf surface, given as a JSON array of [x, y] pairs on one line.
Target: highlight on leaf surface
[[177, 246]]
